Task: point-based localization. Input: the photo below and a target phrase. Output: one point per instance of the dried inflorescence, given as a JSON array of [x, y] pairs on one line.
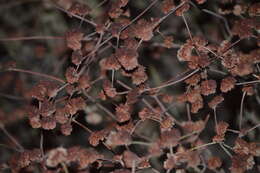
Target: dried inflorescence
[[110, 89]]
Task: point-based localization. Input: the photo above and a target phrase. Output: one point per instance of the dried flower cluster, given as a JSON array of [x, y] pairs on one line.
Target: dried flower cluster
[[103, 106]]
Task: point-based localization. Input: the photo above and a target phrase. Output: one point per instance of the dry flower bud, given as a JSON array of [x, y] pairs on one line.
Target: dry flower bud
[[47, 108], [110, 63], [84, 81], [214, 162], [254, 9], [76, 57], [56, 157], [74, 105], [71, 75], [208, 87], [243, 28], [127, 58], [196, 106], [66, 129], [170, 138], [192, 127], [194, 95], [48, 123], [167, 123], [144, 30], [97, 136], [167, 6], [215, 101], [221, 127], [184, 53], [130, 157], [170, 162], [118, 138], [166, 98], [88, 156], [109, 90], [60, 116], [227, 84], [79, 9], [73, 39], [201, 1], [244, 148], [139, 76], [184, 8], [241, 163], [249, 90], [193, 80], [123, 112]]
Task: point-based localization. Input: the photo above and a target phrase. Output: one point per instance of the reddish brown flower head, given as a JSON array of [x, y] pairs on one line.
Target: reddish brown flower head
[[208, 87], [84, 81], [241, 163], [56, 157], [196, 106], [127, 58], [191, 127], [73, 39], [118, 138], [243, 28], [214, 162], [139, 76], [66, 129], [48, 123], [123, 112], [167, 6], [254, 9], [109, 90], [47, 108], [76, 57], [249, 90], [184, 8], [130, 157], [185, 52], [79, 9], [215, 101], [201, 1], [74, 105], [193, 80], [61, 116], [170, 138], [110, 63], [221, 129], [167, 123], [227, 84], [144, 30], [71, 75], [194, 95]]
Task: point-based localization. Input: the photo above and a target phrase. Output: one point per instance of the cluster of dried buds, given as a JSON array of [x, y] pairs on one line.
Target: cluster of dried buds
[[178, 143]]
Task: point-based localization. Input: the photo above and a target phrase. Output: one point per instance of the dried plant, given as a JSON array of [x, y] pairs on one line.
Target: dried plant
[[97, 95]]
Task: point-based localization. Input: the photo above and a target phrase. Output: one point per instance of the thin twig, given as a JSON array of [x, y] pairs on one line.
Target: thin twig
[[81, 125], [219, 16], [76, 16], [226, 151], [32, 38], [37, 74], [250, 82], [202, 146], [215, 119], [188, 111], [174, 82], [251, 129], [2, 127], [241, 110]]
